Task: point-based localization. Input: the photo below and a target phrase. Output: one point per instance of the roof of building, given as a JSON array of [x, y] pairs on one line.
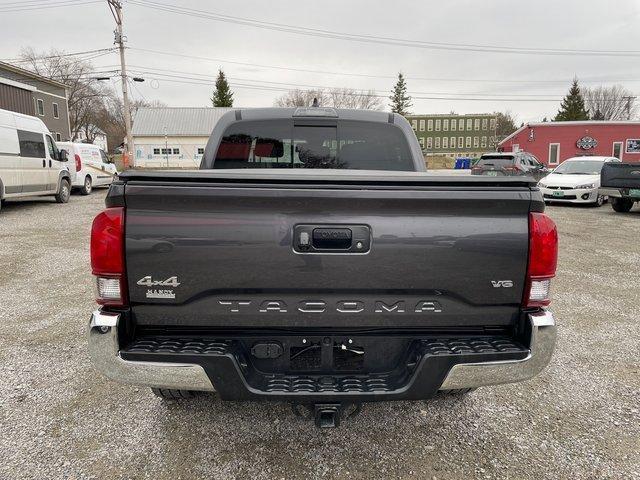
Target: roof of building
[[176, 121], [589, 123], [423, 115], [29, 73]]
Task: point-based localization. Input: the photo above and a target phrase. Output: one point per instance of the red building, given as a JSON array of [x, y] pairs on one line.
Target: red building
[[554, 142]]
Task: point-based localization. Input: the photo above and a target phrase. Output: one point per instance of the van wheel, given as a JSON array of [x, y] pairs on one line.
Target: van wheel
[[171, 394], [64, 191], [86, 188]]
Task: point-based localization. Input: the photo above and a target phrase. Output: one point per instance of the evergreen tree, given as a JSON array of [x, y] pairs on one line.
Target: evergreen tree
[[400, 101], [222, 95], [598, 115], [572, 107]]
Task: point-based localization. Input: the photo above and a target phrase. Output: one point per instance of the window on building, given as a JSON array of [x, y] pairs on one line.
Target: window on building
[[56, 113], [492, 124], [414, 125], [617, 149], [484, 123], [437, 142], [461, 124], [422, 125], [476, 124], [554, 153], [200, 151], [460, 142], [453, 124], [421, 140], [438, 125], [468, 143], [58, 137], [452, 142], [156, 151], [429, 143], [476, 142], [40, 107], [469, 123], [445, 142], [483, 142], [176, 151], [445, 125], [430, 126], [31, 144], [166, 151]]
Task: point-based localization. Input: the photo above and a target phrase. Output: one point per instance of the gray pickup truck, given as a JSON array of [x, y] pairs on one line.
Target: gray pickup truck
[[310, 260], [621, 183]]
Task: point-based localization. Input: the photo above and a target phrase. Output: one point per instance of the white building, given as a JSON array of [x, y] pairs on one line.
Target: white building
[[172, 137], [100, 138]]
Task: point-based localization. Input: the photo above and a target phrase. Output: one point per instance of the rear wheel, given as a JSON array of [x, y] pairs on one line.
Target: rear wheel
[[171, 394], [86, 187], [64, 190], [621, 205]]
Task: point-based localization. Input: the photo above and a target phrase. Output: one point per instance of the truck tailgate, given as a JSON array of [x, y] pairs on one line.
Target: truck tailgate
[[221, 254]]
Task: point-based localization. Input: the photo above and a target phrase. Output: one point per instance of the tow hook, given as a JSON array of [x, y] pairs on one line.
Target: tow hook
[[326, 415]]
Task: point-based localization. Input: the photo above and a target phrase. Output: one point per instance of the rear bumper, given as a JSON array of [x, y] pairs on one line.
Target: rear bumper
[[430, 374]]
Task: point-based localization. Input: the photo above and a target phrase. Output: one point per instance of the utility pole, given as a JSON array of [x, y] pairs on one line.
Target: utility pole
[[116, 10], [628, 99]]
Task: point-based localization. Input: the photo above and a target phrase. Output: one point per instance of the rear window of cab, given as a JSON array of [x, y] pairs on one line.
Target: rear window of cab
[[343, 145]]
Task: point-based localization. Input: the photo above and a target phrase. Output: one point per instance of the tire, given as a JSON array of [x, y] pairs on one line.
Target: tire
[[64, 191], [599, 201], [170, 394], [87, 187], [621, 205]]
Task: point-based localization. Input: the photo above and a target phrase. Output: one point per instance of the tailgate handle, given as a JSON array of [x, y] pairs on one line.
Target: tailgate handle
[[332, 238]]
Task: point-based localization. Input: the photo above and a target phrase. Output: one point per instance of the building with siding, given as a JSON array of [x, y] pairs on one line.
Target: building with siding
[[553, 142], [454, 135], [172, 137], [25, 92]]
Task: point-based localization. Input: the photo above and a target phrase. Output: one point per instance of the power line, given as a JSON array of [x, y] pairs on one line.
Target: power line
[[91, 54], [40, 6], [369, 75], [316, 32]]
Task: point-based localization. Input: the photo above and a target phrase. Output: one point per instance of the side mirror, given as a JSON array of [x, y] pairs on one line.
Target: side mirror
[[63, 156]]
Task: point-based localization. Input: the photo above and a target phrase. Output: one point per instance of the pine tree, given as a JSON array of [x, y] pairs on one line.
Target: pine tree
[[222, 95], [598, 115], [572, 107], [400, 101]]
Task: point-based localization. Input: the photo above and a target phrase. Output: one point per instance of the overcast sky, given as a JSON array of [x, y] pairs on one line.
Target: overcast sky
[[540, 24]]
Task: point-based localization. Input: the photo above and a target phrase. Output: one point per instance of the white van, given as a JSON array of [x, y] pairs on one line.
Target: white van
[[30, 162], [92, 166]]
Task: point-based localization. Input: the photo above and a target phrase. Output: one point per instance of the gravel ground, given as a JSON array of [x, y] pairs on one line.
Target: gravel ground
[[59, 419]]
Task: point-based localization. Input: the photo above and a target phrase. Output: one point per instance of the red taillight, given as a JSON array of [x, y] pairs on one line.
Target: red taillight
[[78, 163], [543, 260], [107, 256]]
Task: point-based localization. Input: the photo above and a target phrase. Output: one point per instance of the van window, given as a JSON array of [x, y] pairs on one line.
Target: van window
[[31, 144], [345, 145], [104, 157], [53, 149]]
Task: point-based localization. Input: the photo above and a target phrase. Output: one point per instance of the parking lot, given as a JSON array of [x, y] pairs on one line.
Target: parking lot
[[59, 419]]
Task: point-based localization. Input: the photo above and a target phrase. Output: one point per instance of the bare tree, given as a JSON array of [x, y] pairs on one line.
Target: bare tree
[[335, 97], [301, 98], [85, 95], [610, 103], [350, 98], [111, 117]]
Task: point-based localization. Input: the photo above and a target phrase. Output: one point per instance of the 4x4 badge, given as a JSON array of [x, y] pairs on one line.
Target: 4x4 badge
[[148, 281]]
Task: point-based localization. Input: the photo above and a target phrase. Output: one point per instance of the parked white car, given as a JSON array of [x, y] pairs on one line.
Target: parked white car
[[30, 161], [576, 180], [92, 166]]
